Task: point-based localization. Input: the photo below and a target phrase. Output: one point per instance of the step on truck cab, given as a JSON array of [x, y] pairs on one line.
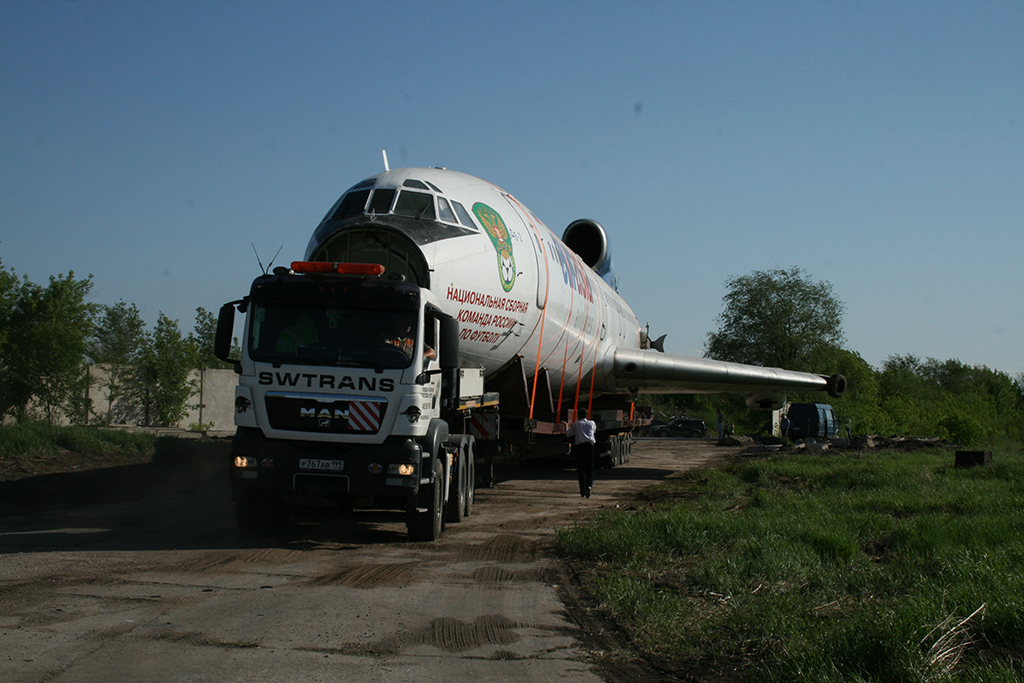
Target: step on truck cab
[[347, 387]]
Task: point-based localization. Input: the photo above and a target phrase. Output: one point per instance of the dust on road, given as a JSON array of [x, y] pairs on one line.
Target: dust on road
[[137, 573]]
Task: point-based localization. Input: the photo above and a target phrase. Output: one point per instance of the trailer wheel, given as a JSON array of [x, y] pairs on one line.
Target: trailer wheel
[[426, 525]]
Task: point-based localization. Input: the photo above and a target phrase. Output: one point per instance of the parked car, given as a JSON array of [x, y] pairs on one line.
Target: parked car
[[681, 426]]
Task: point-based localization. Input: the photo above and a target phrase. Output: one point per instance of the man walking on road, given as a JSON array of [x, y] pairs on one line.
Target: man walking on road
[[582, 431]]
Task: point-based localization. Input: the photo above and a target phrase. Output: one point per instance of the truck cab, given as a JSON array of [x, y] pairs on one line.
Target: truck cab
[[343, 381]]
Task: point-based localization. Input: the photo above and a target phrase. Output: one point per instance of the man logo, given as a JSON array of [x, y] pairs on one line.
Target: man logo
[[324, 414]]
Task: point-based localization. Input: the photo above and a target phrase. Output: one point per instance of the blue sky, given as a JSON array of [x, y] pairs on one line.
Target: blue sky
[[877, 145]]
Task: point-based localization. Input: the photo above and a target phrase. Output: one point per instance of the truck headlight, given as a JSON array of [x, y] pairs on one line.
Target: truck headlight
[[245, 461], [405, 469]]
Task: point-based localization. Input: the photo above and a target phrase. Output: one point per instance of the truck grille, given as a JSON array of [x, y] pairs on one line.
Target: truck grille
[[325, 414]]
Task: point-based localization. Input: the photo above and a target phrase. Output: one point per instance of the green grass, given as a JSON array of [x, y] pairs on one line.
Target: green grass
[[823, 568], [33, 439]]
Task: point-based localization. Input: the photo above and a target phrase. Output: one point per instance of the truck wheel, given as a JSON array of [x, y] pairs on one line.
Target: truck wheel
[[470, 481], [456, 506], [426, 525]]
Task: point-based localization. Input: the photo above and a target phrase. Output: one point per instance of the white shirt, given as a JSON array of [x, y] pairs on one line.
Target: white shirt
[[583, 431]]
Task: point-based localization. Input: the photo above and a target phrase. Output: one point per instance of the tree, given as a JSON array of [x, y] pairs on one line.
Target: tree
[[203, 338], [119, 345], [8, 296], [779, 318], [169, 360], [48, 328]]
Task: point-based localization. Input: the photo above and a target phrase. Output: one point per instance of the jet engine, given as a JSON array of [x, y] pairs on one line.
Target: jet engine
[[590, 242]]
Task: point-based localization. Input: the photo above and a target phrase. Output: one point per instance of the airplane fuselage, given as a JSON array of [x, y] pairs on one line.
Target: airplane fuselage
[[514, 286]]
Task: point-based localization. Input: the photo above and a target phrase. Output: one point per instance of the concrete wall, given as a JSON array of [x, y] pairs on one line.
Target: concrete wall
[[215, 402], [212, 405]]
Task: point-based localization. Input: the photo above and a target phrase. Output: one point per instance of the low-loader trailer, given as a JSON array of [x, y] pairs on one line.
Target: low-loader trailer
[[351, 395]]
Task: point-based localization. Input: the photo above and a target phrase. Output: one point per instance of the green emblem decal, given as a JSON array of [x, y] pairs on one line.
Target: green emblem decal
[[498, 233]]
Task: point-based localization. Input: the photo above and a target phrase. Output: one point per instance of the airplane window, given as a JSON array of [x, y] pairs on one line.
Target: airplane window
[[419, 184], [352, 204], [433, 187], [381, 202], [463, 215], [363, 183], [445, 211], [330, 211], [415, 205]]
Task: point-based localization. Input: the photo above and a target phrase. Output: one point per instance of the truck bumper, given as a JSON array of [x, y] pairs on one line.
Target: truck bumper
[[314, 470]]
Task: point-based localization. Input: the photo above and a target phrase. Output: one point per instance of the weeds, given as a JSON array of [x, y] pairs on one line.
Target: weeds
[[32, 439], [824, 568]]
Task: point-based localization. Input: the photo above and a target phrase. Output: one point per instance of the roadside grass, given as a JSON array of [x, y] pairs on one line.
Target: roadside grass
[[40, 439], [866, 567]]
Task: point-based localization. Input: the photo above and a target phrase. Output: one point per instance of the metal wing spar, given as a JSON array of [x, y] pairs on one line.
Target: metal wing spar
[[652, 372]]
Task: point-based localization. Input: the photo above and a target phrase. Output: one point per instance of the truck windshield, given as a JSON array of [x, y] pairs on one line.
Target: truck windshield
[[332, 336]]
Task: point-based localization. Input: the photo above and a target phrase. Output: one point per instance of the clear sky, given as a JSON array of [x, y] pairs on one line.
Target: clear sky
[[877, 145]]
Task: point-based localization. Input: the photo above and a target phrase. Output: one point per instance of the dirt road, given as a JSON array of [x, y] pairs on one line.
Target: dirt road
[[99, 583]]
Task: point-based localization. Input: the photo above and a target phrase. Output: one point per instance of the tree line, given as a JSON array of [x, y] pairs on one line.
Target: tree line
[[783, 318], [778, 318], [50, 334]]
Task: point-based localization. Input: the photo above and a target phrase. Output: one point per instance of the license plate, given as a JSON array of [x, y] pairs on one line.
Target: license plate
[[322, 465]]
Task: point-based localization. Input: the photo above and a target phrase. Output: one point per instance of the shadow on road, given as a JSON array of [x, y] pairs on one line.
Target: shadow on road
[[182, 500]]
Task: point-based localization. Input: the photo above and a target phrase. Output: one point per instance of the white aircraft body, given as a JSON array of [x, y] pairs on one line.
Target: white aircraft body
[[523, 295]]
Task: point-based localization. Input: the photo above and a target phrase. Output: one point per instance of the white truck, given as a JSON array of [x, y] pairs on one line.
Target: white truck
[[350, 395]]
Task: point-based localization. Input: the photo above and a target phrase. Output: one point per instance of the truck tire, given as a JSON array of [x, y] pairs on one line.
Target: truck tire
[[463, 486], [470, 479], [455, 508], [427, 525]]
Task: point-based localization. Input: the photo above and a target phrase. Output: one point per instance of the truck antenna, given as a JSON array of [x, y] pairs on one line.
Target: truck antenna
[[267, 269]]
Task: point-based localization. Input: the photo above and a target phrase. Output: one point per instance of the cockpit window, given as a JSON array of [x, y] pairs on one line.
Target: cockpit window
[[362, 198], [433, 187], [381, 202], [352, 205], [415, 205], [444, 211], [463, 215]]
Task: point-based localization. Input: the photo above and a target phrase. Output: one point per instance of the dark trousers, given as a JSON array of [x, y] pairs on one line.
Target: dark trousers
[[584, 454]]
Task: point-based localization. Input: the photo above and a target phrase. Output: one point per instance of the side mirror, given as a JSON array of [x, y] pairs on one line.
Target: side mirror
[[448, 355], [225, 327]]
